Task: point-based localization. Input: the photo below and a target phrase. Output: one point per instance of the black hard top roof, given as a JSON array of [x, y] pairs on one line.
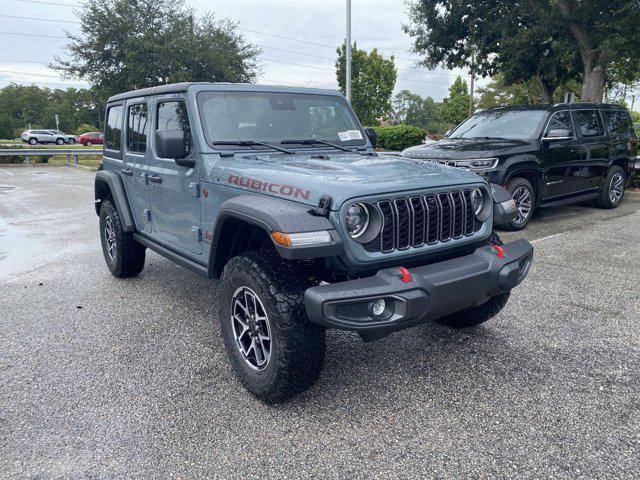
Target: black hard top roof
[[562, 106]]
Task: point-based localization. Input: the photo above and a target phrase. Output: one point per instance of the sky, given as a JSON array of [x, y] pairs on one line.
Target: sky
[[313, 30]]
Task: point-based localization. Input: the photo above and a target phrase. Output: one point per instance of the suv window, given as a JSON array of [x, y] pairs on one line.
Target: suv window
[[172, 115], [137, 128], [589, 123], [618, 122], [559, 120], [113, 130]]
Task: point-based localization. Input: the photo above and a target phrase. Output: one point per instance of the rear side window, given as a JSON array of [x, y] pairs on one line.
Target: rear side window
[[137, 128], [618, 122], [559, 120], [589, 123], [173, 115], [113, 129]]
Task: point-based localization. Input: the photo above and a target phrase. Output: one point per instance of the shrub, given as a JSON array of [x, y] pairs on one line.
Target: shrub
[[634, 182], [85, 128], [399, 137], [20, 159]]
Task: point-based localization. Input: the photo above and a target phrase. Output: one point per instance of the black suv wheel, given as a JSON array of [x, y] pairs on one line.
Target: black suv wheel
[[275, 351], [124, 256], [613, 188], [525, 198], [480, 314]]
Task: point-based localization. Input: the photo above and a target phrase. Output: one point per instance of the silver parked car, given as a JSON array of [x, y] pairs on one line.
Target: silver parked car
[[33, 137]]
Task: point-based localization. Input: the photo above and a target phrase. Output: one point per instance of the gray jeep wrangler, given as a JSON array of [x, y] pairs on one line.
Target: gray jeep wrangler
[[280, 193]]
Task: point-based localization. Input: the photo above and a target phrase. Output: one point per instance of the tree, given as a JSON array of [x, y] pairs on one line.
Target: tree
[[130, 44], [373, 78], [455, 108], [551, 40], [501, 93], [412, 109]]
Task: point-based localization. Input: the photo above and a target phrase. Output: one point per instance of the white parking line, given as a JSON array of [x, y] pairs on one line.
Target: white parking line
[[5, 171], [548, 237]]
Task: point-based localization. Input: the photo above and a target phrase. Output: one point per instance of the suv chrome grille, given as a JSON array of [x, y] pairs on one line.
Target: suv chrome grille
[[425, 220]]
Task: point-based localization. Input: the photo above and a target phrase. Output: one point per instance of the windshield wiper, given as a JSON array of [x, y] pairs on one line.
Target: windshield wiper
[[252, 143], [311, 141]]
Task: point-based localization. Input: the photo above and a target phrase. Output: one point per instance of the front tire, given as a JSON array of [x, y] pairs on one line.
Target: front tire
[[274, 350], [33, 141], [477, 315], [525, 197], [613, 189], [124, 256]]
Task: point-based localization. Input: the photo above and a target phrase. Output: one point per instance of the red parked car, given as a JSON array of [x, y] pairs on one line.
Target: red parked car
[[90, 138]]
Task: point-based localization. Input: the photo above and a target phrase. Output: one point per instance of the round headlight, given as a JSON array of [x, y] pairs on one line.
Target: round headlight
[[357, 219], [477, 201]]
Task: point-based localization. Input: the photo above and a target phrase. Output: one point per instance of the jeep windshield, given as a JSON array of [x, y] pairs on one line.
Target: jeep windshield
[[501, 124], [254, 119]]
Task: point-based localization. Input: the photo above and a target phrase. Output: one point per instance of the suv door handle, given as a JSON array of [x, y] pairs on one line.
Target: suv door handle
[[155, 178], [127, 171]]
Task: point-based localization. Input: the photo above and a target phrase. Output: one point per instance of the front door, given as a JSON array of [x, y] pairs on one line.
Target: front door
[[560, 158], [595, 149], [173, 190]]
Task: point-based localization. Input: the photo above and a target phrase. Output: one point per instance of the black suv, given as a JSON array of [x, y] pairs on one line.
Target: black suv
[[544, 155]]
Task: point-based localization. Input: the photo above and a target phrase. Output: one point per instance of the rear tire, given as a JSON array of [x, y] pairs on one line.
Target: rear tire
[[613, 189], [525, 198], [293, 357], [477, 315], [60, 141], [124, 256]]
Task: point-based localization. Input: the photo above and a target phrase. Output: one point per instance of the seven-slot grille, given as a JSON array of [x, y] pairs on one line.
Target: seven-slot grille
[[426, 219]]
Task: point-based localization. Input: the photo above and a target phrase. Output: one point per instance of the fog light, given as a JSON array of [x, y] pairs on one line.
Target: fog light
[[379, 307]]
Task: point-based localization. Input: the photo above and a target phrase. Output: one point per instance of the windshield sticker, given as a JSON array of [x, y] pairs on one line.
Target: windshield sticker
[[350, 135], [278, 189]]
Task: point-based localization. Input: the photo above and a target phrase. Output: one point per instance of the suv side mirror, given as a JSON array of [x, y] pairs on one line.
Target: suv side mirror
[[172, 144], [558, 134], [447, 133], [373, 136]]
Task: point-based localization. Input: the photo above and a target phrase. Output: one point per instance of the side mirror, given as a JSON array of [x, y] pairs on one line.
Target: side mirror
[[447, 133], [373, 136], [173, 144], [558, 134]]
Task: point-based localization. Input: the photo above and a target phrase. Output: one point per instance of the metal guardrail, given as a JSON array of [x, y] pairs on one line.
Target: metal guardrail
[[37, 152]]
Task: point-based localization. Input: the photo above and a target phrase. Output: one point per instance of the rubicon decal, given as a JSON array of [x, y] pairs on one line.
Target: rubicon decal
[[278, 189]]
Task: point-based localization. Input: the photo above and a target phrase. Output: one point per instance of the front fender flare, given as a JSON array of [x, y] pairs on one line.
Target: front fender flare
[[108, 182]]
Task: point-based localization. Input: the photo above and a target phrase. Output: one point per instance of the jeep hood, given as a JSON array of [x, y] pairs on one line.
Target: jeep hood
[[463, 148], [343, 176]]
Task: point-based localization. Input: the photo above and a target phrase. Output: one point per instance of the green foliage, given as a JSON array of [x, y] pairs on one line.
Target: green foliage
[[412, 109], [635, 116], [130, 44], [20, 159], [634, 181], [84, 128], [373, 78], [399, 137], [27, 104], [455, 108]]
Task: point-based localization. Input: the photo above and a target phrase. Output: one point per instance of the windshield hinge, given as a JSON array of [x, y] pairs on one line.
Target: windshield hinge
[[324, 206]]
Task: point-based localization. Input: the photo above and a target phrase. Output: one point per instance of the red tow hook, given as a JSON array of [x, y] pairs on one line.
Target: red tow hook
[[499, 251], [405, 275]]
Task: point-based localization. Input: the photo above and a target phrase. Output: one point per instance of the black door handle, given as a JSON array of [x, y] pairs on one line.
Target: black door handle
[[155, 178], [127, 171]]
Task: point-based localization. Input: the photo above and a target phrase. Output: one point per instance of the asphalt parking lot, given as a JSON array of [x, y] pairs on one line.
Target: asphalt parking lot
[[107, 378]]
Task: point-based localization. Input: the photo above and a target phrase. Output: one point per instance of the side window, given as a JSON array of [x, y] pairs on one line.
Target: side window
[[589, 123], [113, 130], [618, 122], [137, 128], [559, 120], [172, 115]]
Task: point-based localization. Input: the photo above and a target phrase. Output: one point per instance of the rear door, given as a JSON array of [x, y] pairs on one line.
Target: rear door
[[594, 150], [624, 142], [135, 163], [560, 157], [173, 190]]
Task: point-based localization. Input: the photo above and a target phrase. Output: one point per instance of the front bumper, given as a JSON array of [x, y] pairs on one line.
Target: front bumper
[[432, 292]]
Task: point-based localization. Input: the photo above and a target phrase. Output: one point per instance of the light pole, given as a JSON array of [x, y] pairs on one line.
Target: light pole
[[348, 66]]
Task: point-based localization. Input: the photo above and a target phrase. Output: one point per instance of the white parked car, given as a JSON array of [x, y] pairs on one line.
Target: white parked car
[[33, 137]]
